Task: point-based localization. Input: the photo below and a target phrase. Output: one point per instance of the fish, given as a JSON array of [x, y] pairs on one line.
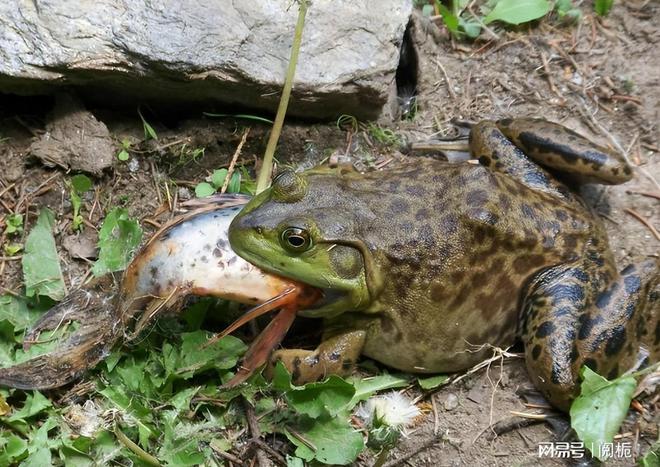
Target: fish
[[189, 255]]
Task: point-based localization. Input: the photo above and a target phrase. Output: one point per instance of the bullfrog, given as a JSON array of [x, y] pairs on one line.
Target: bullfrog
[[425, 267]]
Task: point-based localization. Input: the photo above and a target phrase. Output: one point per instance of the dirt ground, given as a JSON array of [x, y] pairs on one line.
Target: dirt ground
[[600, 78]]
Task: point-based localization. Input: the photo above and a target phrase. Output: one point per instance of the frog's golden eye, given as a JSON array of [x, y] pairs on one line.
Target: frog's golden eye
[[296, 240]]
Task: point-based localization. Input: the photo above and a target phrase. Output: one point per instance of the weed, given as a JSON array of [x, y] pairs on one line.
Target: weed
[[149, 132], [603, 7], [384, 136], [14, 224], [78, 185], [124, 153]]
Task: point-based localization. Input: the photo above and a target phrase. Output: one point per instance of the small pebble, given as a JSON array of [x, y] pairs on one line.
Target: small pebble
[[133, 165], [184, 193], [451, 402]]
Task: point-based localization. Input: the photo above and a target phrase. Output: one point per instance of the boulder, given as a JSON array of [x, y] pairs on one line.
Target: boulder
[[207, 51]]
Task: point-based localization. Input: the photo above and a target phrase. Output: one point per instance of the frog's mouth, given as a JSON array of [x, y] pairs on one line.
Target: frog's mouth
[[324, 307]]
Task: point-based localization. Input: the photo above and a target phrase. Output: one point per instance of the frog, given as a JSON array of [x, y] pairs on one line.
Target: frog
[[429, 266]]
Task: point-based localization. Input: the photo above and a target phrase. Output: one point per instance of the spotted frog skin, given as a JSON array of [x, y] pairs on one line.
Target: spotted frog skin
[[425, 266]]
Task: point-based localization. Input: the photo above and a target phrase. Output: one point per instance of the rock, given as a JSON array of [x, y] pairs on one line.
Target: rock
[[74, 139], [81, 246], [451, 402], [204, 51]]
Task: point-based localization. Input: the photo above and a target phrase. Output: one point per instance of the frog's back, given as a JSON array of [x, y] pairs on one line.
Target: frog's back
[[457, 243]]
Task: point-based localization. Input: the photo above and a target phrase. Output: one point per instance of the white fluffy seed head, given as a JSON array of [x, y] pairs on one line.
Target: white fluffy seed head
[[392, 409]]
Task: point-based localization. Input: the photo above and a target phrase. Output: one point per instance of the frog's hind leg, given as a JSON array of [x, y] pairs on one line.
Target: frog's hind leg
[[585, 314], [495, 151], [336, 355], [561, 149]]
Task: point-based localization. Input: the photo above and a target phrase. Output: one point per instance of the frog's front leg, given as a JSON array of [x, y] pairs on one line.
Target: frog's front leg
[[585, 313], [336, 355]]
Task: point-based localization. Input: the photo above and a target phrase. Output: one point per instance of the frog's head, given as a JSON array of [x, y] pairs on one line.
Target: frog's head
[[305, 227]]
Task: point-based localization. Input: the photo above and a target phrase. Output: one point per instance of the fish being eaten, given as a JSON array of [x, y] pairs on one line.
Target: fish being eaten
[[188, 256]]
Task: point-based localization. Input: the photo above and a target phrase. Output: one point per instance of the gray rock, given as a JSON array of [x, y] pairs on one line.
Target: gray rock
[[207, 50]]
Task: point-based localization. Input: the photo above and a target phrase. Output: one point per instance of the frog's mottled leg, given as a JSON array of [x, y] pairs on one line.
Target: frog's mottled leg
[[559, 148], [495, 151], [334, 356], [586, 314]]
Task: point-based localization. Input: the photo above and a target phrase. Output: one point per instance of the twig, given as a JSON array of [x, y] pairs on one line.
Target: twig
[[267, 167], [644, 221], [450, 86], [650, 194], [276, 455], [253, 424], [230, 170], [226, 455]]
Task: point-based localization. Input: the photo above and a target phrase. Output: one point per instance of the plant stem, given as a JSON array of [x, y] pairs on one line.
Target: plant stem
[[137, 450], [382, 457], [263, 180]]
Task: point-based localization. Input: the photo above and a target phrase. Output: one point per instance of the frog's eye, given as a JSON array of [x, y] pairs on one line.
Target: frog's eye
[[295, 239]]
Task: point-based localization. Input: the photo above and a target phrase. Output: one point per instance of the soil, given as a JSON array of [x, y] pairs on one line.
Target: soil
[[600, 78]]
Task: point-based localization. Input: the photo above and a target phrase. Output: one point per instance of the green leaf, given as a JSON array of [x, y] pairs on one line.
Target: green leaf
[[123, 155], [603, 7], [35, 403], [149, 132], [244, 116], [450, 19], [218, 178], [234, 183], [118, 238], [314, 399], [81, 183], [366, 387], [333, 439], [13, 450], [18, 313], [518, 11], [41, 264], [432, 382], [188, 358], [652, 457], [202, 190], [14, 223], [599, 410]]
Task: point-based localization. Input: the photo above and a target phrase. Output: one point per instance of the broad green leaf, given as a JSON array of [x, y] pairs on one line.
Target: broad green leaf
[[18, 312], [35, 403], [314, 399], [118, 238], [603, 7], [296, 461], [432, 382], [334, 439], [41, 264], [14, 449], [218, 178], [366, 387], [187, 359], [599, 410], [202, 190], [81, 183], [518, 11]]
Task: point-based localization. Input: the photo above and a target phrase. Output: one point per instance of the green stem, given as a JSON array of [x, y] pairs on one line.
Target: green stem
[[137, 450], [263, 180], [382, 457]]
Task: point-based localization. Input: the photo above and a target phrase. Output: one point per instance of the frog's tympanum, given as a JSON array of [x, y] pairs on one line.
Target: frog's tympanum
[[425, 267]]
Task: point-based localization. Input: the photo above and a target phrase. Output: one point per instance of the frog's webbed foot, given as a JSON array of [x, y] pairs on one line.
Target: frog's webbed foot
[[585, 314], [561, 149], [336, 355]]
